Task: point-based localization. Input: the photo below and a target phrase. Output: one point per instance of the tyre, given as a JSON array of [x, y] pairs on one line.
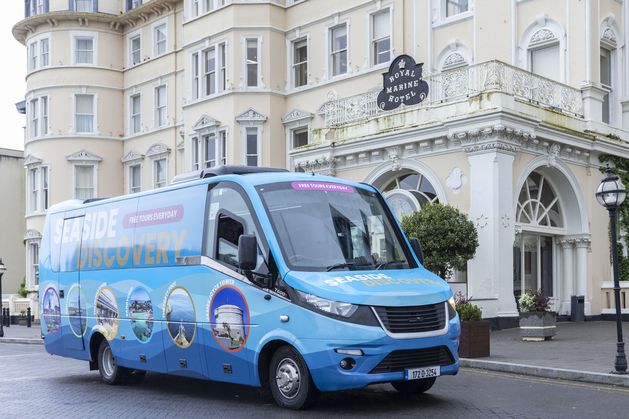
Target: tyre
[[414, 386], [290, 382], [111, 373]]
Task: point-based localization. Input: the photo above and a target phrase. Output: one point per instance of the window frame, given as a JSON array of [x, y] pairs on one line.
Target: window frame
[[75, 49], [156, 183], [130, 186], [294, 130], [198, 66], [293, 64], [258, 63], [159, 107], [331, 53], [130, 56], [93, 114], [258, 154], [91, 6], [444, 9], [132, 116], [40, 174], [373, 42], [162, 26], [35, 53], [94, 179]]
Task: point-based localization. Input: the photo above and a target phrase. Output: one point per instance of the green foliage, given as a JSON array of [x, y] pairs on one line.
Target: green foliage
[[466, 309], [534, 301], [448, 238], [22, 290]]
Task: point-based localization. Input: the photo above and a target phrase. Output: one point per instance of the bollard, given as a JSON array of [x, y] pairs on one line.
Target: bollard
[[28, 317], [8, 317]]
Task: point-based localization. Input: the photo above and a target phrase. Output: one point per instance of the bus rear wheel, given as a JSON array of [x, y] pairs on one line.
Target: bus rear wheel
[[110, 372], [290, 382], [414, 386]]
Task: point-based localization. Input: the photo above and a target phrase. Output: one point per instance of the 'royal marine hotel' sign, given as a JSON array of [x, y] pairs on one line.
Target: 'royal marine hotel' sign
[[402, 84]]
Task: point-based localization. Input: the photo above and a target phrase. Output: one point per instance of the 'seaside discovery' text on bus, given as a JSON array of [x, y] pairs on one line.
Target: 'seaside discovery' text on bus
[[255, 276]]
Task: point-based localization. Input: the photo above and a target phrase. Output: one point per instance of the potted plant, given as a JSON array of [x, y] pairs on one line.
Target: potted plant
[[537, 321], [474, 340]]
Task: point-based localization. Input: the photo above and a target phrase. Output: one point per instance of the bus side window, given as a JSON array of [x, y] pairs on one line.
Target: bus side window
[[229, 229]]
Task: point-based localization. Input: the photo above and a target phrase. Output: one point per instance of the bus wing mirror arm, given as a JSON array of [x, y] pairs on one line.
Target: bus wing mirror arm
[[247, 252], [417, 248]]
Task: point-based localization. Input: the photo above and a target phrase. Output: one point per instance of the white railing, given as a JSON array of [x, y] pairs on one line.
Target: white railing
[[463, 82], [608, 302]]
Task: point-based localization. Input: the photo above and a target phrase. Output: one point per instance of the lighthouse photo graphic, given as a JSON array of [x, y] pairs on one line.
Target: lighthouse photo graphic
[[229, 318], [180, 317], [52, 311]]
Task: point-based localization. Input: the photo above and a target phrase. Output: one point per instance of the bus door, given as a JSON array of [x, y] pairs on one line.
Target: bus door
[[73, 303]]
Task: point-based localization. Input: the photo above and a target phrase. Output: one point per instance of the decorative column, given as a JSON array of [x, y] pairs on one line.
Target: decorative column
[[582, 244], [593, 94], [567, 246], [491, 154]]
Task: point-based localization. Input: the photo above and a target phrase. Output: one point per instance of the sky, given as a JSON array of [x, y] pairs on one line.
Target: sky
[[12, 84]]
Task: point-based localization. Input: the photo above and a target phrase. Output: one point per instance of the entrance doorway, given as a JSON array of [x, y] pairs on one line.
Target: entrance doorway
[[533, 264]]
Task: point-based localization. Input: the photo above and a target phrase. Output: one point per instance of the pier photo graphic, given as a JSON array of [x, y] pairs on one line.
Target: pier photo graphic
[[76, 311], [52, 311], [141, 314], [180, 317], [107, 312], [229, 318]]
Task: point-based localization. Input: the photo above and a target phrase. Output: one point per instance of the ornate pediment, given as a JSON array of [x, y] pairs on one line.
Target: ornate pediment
[[31, 160], [132, 156], [609, 36], [251, 115], [205, 122], [454, 60], [296, 115], [32, 235], [157, 150], [542, 35], [84, 156]]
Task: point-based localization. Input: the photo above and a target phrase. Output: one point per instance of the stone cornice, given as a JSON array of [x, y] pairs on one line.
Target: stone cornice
[[84, 156], [492, 138], [325, 165]]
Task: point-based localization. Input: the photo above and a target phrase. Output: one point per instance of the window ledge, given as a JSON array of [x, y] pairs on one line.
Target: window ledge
[[453, 19]]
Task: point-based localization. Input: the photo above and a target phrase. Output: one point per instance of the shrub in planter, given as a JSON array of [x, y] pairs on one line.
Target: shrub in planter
[[474, 340], [537, 321]]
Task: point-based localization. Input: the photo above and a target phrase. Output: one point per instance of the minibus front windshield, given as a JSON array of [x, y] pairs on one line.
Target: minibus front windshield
[[326, 226]]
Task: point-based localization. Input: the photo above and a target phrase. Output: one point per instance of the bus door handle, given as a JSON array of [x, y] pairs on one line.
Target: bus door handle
[[61, 294]]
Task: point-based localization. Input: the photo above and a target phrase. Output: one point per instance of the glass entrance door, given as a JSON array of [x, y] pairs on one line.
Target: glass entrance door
[[533, 264]]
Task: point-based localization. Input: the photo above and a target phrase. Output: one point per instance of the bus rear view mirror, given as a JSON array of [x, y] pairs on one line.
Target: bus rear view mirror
[[247, 252], [417, 248]]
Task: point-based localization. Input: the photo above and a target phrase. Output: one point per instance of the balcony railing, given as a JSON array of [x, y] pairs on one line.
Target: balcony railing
[[463, 82], [608, 304]]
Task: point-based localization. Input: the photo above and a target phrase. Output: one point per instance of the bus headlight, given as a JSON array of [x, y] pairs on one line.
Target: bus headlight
[[451, 308], [336, 308]]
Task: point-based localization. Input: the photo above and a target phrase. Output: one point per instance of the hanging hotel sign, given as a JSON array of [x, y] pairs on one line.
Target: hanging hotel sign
[[402, 84]]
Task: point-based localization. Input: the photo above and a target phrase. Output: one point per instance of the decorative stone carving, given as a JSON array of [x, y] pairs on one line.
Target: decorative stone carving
[[132, 156], [566, 243], [456, 180], [296, 115], [609, 36], [505, 220], [453, 60], [497, 137], [32, 235], [481, 221], [553, 154], [394, 156], [251, 115], [205, 122], [542, 35], [31, 160], [84, 155], [157, 150], [325, 165]]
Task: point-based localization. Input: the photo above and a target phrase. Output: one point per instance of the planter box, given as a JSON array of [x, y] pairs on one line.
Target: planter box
[[537, 327], [474, 340]]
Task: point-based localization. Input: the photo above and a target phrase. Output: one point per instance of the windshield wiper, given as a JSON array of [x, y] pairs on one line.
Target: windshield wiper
[[388, 262], [345, 265]]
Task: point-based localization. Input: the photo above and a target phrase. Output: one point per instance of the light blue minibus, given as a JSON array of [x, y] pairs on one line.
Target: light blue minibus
[[297, 282]]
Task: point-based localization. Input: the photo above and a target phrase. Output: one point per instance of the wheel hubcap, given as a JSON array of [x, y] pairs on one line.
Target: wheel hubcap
[[288, 378], [108, 362]]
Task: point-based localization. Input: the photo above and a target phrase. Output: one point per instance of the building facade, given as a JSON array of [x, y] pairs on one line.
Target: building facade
[[524, 97], [12, 210]]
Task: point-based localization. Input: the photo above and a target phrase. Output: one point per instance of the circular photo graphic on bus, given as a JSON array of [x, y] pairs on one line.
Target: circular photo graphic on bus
[[141, 313], [180, 317], [229, 318], [76, 306], [107, 313], [52, 311]]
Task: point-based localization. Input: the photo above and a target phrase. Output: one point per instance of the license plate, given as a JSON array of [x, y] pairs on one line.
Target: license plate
[[421, 373]]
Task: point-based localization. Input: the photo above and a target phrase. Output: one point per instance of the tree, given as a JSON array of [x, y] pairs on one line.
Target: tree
[[448, 238]]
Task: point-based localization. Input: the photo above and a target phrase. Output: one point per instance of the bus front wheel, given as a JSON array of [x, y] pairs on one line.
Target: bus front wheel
[[289, 380], [414, 386]]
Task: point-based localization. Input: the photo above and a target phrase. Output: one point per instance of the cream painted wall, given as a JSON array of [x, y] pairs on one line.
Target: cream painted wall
[[12, 223]]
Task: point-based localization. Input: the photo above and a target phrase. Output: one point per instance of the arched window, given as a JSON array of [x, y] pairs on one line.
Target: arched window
[[608, 64], [538, 204], [542, 49], [407, 192]]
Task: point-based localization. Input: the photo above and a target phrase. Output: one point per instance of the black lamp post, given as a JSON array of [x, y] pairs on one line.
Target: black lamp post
[[610, 194], [3, 269]]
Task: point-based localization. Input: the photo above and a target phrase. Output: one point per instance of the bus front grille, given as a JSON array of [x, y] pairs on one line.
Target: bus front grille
[[416, 319], [414, 358]]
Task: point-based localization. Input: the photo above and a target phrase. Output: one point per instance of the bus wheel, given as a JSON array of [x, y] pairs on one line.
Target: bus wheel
[[289, 380], [414, 386], [110, 373]]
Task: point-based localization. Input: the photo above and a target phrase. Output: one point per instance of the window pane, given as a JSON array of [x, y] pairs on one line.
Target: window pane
[[160, 173], [84, 113], [339, 63], [44, 48], [44, 114], [210, 150], [223, 146], [252, 147], [134, 176], [339, 38], [135, 50], [135, 113], [300, 137], [545, 61], [84, 182], [32, 53], [606, 68], [381, 25], [300, 62], [382, 51], [44, 182], [83, 5], [210, 72], [454, 7], [160, 39], [84, 50], [252, 62]]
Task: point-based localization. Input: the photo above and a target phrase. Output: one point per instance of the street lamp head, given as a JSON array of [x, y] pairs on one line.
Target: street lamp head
[[3, 268], [611, 192]]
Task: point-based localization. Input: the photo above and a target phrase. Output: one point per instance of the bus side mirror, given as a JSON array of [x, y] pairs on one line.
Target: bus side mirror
[[247, 252], [417, 248]]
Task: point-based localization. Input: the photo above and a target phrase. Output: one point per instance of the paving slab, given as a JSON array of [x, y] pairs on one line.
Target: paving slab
[[22, 334]]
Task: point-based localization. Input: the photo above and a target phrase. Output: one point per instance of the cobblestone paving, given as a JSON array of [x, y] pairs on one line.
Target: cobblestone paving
[[35, 384]]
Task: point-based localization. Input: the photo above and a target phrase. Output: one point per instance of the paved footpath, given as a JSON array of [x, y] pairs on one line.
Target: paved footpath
[[579, 351], [583, 351]]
